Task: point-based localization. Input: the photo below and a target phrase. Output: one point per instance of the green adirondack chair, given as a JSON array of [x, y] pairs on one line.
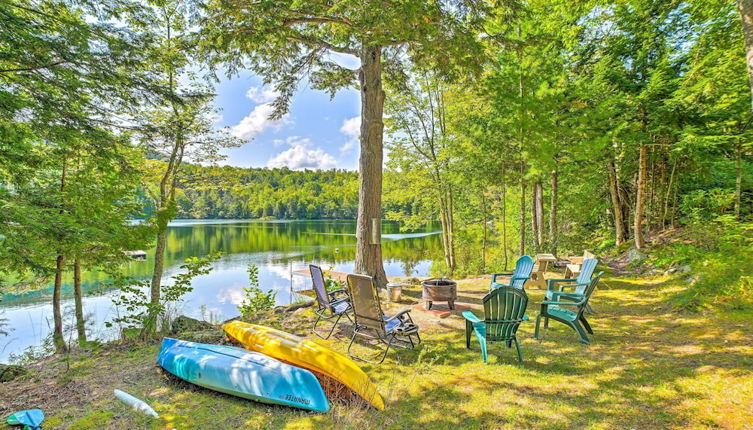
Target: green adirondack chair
[[518, 278], [504, 310], [557, 309], [578, 284]]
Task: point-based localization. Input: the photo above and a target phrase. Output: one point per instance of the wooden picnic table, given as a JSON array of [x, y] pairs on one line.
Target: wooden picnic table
[[540, 266]]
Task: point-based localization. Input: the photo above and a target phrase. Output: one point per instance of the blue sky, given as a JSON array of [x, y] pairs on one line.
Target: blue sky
[[317, 132]]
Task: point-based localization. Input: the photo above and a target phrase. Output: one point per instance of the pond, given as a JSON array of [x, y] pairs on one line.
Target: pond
[[278, 247]]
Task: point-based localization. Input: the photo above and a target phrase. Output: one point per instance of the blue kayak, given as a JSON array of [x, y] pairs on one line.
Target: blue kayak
[[242, 373]]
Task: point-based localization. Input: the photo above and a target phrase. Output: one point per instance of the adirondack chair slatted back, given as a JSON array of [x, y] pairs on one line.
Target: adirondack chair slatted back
[[523, 269], [586, 271], [589, 291], [317, 277], [365, 301], [504, 309]]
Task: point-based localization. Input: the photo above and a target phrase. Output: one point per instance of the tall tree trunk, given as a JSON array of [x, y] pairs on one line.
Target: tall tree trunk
[[451, 227], [80, 322], [539, 212], [521, 141], [368, 254], [57, 315], [640, 197], [745, 7], [668, 196], [553, 236], [619, 217], [159, 264], [534, 217], [504, 222], [522, 244], [738, 178], [661, 190], [444, 217], [650, 190], [484, 220]]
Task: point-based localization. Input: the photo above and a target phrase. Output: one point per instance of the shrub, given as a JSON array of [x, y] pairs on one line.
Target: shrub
[[255, 299], [718, 253], [141, 317]]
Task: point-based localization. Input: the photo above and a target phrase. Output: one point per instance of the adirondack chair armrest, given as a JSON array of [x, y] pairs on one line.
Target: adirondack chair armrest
[[550, 282], [554, 302], [494, 276], [398, 315], [470, 316], [563, 286], [557, 294], [519, 278]]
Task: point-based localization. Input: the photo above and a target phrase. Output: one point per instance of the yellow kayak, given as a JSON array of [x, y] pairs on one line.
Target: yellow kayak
[[307, 354]]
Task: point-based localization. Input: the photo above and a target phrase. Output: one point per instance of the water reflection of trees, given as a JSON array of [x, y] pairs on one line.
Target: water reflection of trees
[[330, 241]]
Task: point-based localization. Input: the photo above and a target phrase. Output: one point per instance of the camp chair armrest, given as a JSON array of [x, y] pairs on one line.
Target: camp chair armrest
[[397, 315], [332, 294], [494, 276], [470, 316]]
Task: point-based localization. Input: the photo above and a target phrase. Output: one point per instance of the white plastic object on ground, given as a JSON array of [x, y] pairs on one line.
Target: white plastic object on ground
[[135, 403]]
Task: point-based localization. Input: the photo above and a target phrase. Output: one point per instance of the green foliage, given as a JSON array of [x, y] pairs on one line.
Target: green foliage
[[331, 284], [93, 420], [203, 192], [137, 313], [718, 254], [255, 299]]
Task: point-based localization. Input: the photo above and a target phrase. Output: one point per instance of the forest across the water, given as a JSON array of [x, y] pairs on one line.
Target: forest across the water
[[227, 192]]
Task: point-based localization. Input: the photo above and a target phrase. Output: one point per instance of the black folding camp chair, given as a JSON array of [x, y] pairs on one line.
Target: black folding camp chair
[[333, 304], [370, 321]]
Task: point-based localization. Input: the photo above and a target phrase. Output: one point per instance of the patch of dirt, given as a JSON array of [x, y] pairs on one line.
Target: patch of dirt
[[59, 382]]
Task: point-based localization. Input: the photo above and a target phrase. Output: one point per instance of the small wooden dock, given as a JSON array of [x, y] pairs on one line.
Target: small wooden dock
[[136, 255], [338, 276]]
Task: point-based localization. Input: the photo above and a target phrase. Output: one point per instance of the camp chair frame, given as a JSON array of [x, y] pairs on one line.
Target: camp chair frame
[[504, 311], [371, 323], [556, 310], [518, 278], [330, 306], [578, 284]]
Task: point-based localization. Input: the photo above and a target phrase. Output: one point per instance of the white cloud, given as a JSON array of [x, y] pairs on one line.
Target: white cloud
[[257, 122], [352, 128], [230, 295], [262, 94], [293, 141], [302, 156], [347, 146]]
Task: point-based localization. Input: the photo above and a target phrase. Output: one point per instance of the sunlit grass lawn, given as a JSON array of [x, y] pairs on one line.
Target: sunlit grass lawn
[[649, 366]]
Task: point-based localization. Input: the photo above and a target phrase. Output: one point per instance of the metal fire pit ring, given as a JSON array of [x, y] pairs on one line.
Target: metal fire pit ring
[[439, 290]]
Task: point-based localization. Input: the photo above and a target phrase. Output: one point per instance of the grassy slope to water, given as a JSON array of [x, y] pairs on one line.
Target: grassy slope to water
[[649, 366]]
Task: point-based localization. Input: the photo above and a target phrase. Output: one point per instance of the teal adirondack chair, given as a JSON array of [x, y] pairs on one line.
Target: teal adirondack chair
[[578, 284], [504, 310], [557, 309], [518, 278]]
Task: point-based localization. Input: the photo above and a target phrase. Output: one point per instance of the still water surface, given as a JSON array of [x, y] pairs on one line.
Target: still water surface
[[277, 247]]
